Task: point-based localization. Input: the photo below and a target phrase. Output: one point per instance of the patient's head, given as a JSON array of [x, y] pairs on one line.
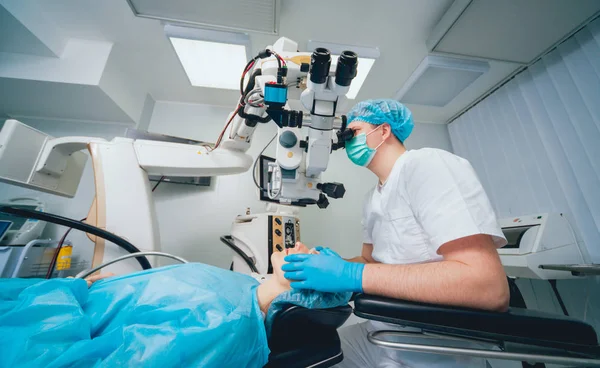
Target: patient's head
[[276, 293], [277, 260], [278, 284]]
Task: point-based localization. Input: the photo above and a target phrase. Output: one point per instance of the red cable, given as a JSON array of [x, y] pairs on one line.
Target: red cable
[[250, 66], [248, 69], [282, 60], [225, 127]]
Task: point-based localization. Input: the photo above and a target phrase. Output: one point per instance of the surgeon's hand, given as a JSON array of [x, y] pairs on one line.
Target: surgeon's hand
[[326, 272]]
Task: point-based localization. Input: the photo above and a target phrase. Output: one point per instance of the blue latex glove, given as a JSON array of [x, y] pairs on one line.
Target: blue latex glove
[[326, 272]]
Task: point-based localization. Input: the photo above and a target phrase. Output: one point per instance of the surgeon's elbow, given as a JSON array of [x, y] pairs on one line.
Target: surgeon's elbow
[[497, 295], [501, 304]]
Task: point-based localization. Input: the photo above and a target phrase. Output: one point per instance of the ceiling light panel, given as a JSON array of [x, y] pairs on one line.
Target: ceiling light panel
[[210, 59]]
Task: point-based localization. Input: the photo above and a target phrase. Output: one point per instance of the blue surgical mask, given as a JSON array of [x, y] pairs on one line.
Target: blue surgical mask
[[359, 152]]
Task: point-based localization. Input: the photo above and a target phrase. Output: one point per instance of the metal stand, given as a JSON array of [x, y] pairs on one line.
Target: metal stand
[[516, 300], [25, 252], [545, 357]]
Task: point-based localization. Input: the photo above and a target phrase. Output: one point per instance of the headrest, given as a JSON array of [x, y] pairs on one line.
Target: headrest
[[298, 325]]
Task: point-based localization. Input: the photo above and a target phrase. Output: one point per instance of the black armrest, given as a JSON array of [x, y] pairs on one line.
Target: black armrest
[[515, 325]]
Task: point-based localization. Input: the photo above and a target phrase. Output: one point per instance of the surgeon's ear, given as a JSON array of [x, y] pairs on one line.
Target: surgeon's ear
[[386, 131]]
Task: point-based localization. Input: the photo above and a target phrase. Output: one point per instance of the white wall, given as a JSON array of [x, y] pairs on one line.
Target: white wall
[[535, 143], [429, 135], [78, 206], [192, 219]]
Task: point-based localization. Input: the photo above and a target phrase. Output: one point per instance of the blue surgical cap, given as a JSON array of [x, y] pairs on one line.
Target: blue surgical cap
[[381, 111]]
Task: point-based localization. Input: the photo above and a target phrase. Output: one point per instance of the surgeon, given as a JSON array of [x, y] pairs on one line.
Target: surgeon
[[429, 235]]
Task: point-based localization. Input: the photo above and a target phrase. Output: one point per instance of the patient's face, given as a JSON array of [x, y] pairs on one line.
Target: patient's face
[[277, 261]]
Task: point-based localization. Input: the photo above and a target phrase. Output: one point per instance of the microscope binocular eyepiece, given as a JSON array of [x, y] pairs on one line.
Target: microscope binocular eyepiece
[[346, 68], [320, 62], [345, 71], [344, 136]]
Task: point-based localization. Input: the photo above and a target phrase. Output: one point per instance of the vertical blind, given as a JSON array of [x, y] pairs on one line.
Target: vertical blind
[[535, 142]]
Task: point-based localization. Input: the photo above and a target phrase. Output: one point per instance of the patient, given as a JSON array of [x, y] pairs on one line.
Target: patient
[[187, 315], [268, 290]]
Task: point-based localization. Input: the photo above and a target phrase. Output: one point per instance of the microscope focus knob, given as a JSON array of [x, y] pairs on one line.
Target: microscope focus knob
[[323, 202], [288, 139]]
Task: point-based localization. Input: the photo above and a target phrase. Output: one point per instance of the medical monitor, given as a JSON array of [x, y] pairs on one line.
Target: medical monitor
[[4, 226], [263, 180]]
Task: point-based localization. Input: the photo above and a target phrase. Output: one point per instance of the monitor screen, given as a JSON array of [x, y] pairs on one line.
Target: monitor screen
[[4, 226], [264, 177], [17, 222]]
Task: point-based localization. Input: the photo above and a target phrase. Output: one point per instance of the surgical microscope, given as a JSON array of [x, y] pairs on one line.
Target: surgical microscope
[[295, 174], [300, 160]]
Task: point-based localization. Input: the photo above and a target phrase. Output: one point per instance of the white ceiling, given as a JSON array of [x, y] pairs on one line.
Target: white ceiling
[[15, 37], [250, 15], [51, 105], [398, 28], [144, 58], [518, 28]]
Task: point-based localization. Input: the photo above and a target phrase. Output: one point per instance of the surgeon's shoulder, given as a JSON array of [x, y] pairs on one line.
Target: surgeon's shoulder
[[429, 160]]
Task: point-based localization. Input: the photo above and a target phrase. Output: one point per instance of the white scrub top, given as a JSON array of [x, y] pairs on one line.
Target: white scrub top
[[430, 198]]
